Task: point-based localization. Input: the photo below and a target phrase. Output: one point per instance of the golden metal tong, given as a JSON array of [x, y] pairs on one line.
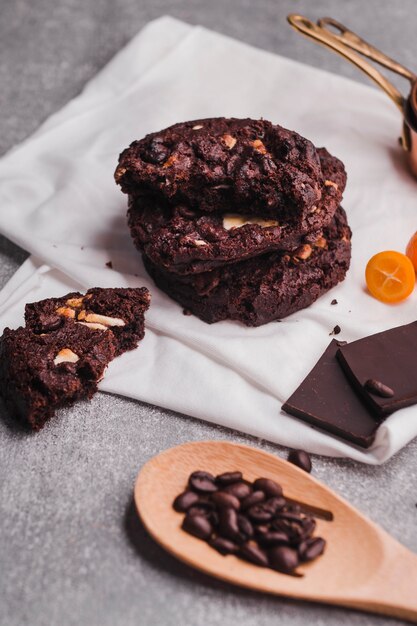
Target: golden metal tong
[[351, 46]]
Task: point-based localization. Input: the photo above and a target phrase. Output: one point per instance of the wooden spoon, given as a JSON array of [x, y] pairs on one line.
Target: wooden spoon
[[363, 567]]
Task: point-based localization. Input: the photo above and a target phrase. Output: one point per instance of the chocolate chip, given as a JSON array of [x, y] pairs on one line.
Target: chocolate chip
[[378, 388], [268, 486], [224, 546], [197, 525], [228, 478], [184, 501], [311, 548], [254, 554], [301, 459], [203, 482], [240, 490], [283, 559], [255, 498], [223, 499]]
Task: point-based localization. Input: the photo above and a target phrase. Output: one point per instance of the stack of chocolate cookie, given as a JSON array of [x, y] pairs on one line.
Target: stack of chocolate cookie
[[237, 218]]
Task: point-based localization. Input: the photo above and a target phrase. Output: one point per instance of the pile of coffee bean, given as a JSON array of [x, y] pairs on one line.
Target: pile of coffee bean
[[251, 520]]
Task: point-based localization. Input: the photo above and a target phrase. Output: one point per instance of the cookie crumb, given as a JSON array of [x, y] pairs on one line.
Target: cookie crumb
[[109, 264], [336, 330], [334, 301]]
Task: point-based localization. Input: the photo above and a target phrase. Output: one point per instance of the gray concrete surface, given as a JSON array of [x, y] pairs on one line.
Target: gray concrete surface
[[72, 551]]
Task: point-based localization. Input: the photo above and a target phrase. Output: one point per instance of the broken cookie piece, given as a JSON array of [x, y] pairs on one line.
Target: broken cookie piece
[[39, 373], [120, 311], [65, 348]]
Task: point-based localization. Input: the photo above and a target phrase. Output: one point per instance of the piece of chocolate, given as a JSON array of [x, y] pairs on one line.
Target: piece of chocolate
[[389, 359], [327, 400]]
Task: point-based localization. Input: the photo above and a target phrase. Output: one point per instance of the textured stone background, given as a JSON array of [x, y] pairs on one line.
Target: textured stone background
[[72, 551]]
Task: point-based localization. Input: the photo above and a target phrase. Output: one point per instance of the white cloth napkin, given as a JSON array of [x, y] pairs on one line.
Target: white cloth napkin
[[59, 201]]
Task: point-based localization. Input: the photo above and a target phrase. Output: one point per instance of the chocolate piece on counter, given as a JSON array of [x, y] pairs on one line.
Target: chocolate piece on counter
[[336, 330], [389, 358], [327, 400], [301, 459]]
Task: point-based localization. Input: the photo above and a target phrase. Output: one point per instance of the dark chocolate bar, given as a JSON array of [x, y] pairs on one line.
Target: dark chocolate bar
[[385, 360], [327, 400]]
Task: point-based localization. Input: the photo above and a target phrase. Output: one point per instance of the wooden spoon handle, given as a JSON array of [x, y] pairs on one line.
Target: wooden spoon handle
[[393, 590]]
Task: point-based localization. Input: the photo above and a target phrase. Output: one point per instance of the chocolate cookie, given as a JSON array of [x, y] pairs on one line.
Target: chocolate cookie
[[40, 373], [224, 165], [267, 288], [187, 241], [67, 344], [119, 310]]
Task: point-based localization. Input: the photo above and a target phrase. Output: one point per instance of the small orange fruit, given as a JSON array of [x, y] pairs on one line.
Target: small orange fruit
[[390, 276], [411, 250]]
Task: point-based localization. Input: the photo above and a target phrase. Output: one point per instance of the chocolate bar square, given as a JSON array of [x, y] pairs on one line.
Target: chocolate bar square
[[388, 359], [327, 400]]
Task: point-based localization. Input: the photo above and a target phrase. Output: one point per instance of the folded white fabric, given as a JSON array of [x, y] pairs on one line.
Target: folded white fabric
[[59, 201]]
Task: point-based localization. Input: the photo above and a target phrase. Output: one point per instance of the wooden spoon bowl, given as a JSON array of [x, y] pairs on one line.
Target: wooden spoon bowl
[[362, 566]]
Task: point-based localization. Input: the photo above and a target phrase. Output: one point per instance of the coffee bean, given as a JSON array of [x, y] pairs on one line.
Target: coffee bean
[[309, 526], [301, 459], [255, 498], [293, 529], [224, 546], [261, 529], [197, 525], [292, 517], [240, 490], [283, 559], [274, 538], [254, 554], [259, 514], [245, 526], [252, 520], [275, 504], [228, 524], [201, 508], [183, 502], [268, 486], [228, 478], [311, 548], [222, 499], [203, 482], [378, 388]]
